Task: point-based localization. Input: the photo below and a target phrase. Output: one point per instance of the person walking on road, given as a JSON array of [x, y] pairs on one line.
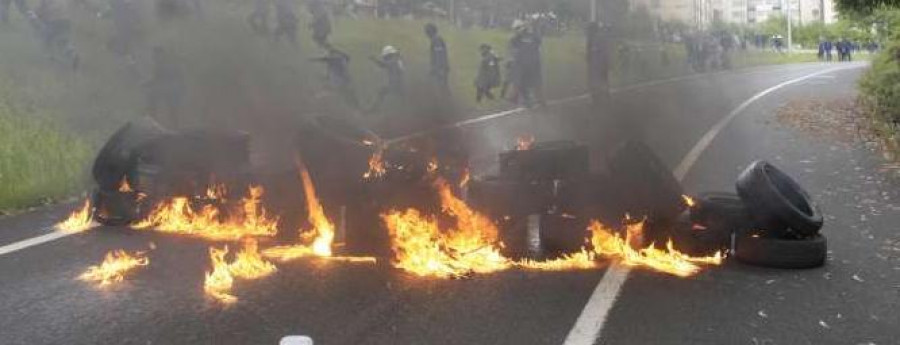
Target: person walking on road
[[525, 48], [5, 5], [598, 58], [440, 64], [285, 21], [392, 63], [828, 46], [488, 74]]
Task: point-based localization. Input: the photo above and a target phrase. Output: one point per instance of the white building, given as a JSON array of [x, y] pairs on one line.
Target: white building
[[702, 13]]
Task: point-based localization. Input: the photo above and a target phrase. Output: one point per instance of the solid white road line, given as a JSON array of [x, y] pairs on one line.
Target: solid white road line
[[590, 323], [49, 237]]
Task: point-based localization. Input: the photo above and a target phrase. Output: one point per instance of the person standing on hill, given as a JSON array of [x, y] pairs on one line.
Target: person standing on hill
[[285, 21], [525, 48], [321, 24], [488, 74], [440, 64], [598, 58], [392, 63]]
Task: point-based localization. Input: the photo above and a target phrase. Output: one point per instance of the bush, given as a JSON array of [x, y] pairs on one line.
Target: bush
[[880, 94]]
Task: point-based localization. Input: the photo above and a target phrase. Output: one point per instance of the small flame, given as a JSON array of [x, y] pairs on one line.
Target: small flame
[[525, 142], [580, 260], [433, 165], [689, 201], [124, 187], [79, 220], [114, 267], [249, 264], [376, 164], [464, 181], [218, 283], [314, 242], [178, 216], [610, 244]]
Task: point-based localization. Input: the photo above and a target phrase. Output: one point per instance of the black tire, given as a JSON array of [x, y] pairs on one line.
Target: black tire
[[777, 203], [645, 184], [117, 155], [781, 253], [113, 208], [721, 210], [698, 239]]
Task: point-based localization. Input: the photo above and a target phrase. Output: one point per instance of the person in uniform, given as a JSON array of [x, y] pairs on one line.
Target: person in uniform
[[488, 74], [440, 64]]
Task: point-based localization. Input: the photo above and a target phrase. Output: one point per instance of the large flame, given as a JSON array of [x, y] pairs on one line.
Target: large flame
[[79, 220], [420, 247], [314, 242], [178, 216], [610, 244], [114, 267]]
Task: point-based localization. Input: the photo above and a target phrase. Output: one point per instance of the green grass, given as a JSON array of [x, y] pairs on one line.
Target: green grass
[[38, 160]]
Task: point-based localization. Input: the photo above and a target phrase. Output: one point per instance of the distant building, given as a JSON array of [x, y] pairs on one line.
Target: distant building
[[702, 13]]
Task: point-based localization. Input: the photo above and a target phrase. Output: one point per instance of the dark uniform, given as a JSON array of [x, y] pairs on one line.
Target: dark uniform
[[259, 18], [599, 44], [321, 24], [165, 89], [440, 64], [286, 20], [337, 64], [525, 47], [488, 74], [5, 5], [392, 64]]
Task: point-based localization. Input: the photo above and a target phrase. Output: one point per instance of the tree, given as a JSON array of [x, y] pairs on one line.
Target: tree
[[865, 5]]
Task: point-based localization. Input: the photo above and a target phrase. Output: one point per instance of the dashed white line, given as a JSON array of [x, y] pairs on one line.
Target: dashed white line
[[589, 325]]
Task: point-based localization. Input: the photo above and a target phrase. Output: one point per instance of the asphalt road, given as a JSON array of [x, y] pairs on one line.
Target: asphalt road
[[852, 300]]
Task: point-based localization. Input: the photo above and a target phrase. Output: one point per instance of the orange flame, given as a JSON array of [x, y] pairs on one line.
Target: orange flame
[[466, 177], [524, 143], [420, 247], [376, 164], [178, 216], [79, 220], [689, 201], [247, 264], [124, 187], [610, 244], [114, 267], [318, 240]]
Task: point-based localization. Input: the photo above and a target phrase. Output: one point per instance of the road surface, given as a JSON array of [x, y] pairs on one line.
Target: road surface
[[852, 300]]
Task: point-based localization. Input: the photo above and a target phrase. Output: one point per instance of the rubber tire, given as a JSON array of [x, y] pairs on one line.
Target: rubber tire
[[781, 253], [778, 203], [113, 208], [645, 184], [116, 156], [722, 209]]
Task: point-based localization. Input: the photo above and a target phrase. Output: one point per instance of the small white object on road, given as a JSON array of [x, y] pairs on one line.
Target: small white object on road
[[296, 340]]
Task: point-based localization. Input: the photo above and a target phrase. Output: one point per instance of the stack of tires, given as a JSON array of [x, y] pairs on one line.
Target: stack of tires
[[770, 222], [785, 221]]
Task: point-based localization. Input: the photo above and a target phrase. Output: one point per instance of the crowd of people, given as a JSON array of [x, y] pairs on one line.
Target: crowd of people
[[844, 49]]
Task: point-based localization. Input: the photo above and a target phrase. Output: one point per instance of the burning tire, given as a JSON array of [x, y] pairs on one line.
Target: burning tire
[[777, 203], [114, 208], [117, 155], [781, 253], [646, 185]]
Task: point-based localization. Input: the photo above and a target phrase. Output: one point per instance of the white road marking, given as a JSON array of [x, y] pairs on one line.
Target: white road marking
[[588, 327], [49, 237]]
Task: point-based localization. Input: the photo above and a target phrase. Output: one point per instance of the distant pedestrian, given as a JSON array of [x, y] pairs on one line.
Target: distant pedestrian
[[828, 46], [392, 63], [259, 18], [338, 73], [21, 6], [525, 49], [321, 23], [509, 81], [488, 74], [165, 89], [599, 44], [285, 21], [440, 64]]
